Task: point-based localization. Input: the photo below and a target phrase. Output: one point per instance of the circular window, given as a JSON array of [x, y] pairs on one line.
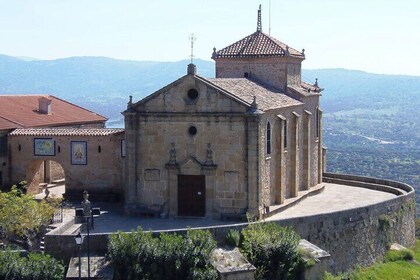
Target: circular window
[[192, 94], [192, 130]]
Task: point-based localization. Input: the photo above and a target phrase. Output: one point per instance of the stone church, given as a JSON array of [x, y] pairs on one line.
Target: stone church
[[241, 142]]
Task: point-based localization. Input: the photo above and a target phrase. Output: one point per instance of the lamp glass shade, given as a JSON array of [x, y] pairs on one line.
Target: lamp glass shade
[[79, 239]]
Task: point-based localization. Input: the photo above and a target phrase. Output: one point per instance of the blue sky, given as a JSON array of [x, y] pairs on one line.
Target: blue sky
[[380, 36]]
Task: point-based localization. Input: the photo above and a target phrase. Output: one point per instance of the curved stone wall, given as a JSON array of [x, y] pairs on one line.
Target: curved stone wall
[[362, 235]]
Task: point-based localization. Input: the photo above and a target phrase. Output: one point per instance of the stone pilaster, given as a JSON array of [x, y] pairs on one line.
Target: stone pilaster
[[320, 165], [307, 150], [252, 138], [131, 130], [294, 155], [281, 167], [173, 172]]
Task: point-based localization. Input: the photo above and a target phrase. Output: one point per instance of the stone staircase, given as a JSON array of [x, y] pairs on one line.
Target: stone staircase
[[42, 243]]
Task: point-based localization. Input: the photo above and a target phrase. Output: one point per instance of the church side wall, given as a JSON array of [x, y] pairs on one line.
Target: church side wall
[[289, 161]]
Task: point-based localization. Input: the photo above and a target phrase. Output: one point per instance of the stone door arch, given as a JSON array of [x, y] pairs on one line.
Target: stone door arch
[[41, 173]]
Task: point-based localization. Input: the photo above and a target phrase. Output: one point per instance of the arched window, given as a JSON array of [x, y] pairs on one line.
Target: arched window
[[268, 137]]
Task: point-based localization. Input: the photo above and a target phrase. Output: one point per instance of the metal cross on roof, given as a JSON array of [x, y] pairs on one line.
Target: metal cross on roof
[[192, 39]]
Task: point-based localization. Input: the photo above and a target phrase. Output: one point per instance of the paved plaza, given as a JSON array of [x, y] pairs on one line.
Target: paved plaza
[[333, 198]]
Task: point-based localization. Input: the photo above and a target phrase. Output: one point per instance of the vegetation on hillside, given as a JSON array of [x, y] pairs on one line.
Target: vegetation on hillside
[[401, 265]]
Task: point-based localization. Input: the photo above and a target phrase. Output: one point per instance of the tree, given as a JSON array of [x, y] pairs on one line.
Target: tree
[[22, 219]]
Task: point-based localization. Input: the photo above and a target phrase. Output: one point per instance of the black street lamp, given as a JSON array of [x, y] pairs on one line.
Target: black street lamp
[[79, 241], [88, 253]]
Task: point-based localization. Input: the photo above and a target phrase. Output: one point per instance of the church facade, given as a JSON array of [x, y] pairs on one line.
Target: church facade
[[238, 143]]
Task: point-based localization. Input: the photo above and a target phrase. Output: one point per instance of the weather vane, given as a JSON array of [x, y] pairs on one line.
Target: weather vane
[[192, 39]]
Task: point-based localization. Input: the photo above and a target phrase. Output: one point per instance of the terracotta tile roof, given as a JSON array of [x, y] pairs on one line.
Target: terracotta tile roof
[[245, 89], [258, 44], [23, 111], [66, 131], [7, 125]]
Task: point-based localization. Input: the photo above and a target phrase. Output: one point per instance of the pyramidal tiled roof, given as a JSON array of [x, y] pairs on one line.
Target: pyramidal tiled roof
[[258, 44]]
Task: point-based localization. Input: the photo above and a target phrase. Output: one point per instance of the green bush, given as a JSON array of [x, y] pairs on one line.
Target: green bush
[[233, 238], [34, 267], [139, 255], [272, 250], [417, 228], [400, 255]]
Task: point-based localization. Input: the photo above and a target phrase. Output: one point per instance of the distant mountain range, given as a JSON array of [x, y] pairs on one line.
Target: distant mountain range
[[98, 83], [363, 112]]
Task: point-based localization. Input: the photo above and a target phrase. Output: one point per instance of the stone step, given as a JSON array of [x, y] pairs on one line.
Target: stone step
[[72, 230], [59, 181], [50, 228]]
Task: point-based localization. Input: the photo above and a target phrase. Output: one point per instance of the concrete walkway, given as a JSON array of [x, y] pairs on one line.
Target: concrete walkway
[[113, 220], [334, 198]]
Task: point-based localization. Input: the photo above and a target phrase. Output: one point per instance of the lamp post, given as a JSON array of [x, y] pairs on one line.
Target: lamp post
[[88, 253], [79, 241]]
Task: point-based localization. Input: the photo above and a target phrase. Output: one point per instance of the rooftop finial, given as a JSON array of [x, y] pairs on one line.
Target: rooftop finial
[[130, 101], [316, 82], [192, 39], [259, 27]]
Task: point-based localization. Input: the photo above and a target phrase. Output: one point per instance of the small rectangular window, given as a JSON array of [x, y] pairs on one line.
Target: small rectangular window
[[268, 136], [285, 133], [317, 123]]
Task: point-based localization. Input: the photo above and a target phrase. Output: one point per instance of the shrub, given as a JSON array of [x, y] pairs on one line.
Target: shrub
[[35, 266], [400, 255], [233, 238], [139, 255], [384, 222], [272, 250]]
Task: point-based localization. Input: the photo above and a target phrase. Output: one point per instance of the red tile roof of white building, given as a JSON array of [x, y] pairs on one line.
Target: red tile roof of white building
[[23, 112]]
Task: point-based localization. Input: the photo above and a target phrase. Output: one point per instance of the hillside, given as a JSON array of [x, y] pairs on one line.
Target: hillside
[[371, 124]]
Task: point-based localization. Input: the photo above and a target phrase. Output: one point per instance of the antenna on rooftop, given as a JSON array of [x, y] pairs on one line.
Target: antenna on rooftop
[[269, 17], [192, 39], [259, 27]]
